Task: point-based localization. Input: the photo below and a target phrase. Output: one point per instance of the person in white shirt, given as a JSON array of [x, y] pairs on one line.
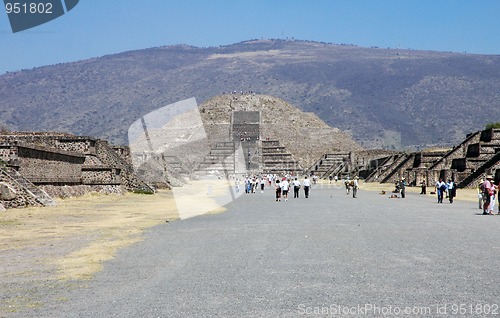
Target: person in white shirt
[[285, 185], [452, 190], [307, 187], [355, 187], [262, 184], [296, 187], [440, 189]]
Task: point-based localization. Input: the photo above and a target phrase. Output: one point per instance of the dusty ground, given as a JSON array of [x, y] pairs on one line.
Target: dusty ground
[[462, 194], [45, 250]]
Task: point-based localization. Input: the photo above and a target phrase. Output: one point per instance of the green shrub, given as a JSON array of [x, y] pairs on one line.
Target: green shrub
[[493, 125], [139, 191]]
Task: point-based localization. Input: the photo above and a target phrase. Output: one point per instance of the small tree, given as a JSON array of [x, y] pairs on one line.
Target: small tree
[[493, 125]]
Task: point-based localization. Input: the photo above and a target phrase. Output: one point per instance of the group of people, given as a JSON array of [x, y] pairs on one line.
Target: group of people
[[283, 186], [488, 192], [448, 189], [487, 189], [251, 184]]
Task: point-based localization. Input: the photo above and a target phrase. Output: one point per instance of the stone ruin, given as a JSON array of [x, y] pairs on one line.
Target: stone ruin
[[348, 164], [34, 167], [227, 135], [478, 155], [243, 151]]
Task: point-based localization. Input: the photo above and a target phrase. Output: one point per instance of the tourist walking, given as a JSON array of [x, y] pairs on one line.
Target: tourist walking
[[248, 185], [237, 185], [480, 194], [493, 193], [452, 190], [347, 184], [307, 186], [423, 186], [355, 186], [402, 187], [296, 187], [315, 179], [486, 189], [277, 187], [262, 184], [440, 189], [284, 189]]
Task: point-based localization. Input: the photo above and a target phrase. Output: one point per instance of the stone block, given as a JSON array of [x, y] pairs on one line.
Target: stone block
[[7, 192]]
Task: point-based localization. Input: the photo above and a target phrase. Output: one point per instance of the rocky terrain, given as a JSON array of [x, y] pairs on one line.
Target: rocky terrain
[[383, 97]]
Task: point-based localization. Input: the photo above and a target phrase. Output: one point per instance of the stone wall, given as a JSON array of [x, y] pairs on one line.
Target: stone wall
[[68, 165], [124, 153], [82, 145], [46, 166], [43, 165], [128, 177], [100, 175], [68, 191]]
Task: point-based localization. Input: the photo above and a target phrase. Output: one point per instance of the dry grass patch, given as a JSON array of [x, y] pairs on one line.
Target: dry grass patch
[[73, 238], [71, 241]]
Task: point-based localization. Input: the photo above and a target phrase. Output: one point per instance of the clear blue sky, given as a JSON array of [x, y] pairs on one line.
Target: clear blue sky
[[99, 27]]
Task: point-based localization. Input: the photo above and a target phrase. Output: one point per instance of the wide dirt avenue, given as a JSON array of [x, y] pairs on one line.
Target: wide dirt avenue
[[326, 255]]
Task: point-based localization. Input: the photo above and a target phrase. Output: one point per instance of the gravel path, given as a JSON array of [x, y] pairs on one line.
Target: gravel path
[[304, 257]]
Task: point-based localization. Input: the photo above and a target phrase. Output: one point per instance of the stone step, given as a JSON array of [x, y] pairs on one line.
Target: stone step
[[273, 150], [217, 152], [277, 155], [216, 167], [207, 163], [270, 143]]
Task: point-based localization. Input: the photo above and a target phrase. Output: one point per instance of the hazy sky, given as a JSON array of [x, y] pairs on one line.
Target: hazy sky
[[99, 27]]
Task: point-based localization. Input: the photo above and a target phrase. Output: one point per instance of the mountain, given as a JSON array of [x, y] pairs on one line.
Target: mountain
[[382, 97]]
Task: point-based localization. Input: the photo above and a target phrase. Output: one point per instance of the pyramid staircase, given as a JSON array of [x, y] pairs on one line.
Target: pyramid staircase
[[38, 194], [276, 159], [376, 174], [456, 152], [248, 157], [395, 167], [472, 179], [329, 164], [336, 170]]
